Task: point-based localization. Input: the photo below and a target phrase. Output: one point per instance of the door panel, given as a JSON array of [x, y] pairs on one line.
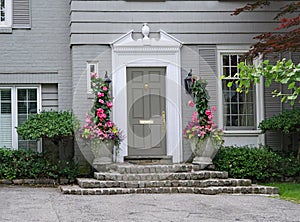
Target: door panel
[[145, 105]]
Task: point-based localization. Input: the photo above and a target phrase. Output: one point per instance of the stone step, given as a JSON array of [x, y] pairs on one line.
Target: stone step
[[197, 175], [93, 183], [157, 168], [254, 189], [142, 160]]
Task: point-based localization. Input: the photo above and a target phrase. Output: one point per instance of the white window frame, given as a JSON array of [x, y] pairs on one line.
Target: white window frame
[[259, 96], [88, 73], [14, 89], [8, 15]]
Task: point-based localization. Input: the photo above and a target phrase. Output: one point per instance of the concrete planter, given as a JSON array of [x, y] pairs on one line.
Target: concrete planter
[[103, 152], [204, 151]]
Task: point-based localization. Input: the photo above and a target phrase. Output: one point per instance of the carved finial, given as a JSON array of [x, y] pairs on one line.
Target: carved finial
[[145, 31]]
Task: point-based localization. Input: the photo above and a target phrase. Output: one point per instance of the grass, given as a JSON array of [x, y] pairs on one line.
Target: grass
[[288, 191]]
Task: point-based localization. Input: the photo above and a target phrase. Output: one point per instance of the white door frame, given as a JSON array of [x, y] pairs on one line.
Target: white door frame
[[165, 52]]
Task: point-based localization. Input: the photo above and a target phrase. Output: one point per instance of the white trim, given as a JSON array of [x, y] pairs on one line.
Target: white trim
[[259, 99], [8, 15], [165, 52]]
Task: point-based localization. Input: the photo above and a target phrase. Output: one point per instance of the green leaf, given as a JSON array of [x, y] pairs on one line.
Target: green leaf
[[291, 85]]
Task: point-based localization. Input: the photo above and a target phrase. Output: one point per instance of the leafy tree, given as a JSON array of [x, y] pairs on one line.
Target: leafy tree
[[284, 72], [287, 39]]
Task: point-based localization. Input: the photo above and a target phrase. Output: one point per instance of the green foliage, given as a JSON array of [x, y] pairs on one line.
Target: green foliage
[[284, 72], [287, 122], [50, 124], [259, 164], [201, 98], [20, 164]]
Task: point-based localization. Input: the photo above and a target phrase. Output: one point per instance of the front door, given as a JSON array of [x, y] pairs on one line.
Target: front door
[[146, 107]]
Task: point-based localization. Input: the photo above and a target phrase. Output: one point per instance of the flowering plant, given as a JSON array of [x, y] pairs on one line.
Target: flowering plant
[[202, 125], [98, 125]]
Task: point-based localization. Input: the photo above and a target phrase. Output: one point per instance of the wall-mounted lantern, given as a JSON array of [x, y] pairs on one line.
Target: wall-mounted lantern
[[107, 80], [188, 83]]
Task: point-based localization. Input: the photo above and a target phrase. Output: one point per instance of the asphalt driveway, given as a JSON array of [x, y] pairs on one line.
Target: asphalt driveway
[[19, 203]]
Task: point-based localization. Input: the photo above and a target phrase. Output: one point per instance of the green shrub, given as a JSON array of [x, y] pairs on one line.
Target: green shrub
[[20, 164], [287, 122], [50, 124], [259, 164]]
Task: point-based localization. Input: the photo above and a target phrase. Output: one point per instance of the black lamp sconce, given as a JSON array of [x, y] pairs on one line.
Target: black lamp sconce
[[188, 83], [107, 80]]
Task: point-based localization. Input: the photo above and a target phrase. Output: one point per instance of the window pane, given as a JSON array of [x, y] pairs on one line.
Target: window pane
[[2, 11], [32, 108], [92, 68], [22, 108], [22, 94], [225, 60], [233, 60], [32, 94], [5, 94]]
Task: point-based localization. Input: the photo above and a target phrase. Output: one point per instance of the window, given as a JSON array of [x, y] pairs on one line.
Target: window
[[16, 104], [5, 13], [238, 108], [92, 67]]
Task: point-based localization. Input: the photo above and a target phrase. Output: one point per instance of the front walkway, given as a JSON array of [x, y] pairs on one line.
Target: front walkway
[[48, 204]]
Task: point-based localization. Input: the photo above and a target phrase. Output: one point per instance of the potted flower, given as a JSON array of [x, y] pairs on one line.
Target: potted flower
[[99, 131], [205, 137]]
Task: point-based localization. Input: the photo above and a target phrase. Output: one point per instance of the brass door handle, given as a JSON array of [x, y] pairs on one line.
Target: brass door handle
[[163, 119]]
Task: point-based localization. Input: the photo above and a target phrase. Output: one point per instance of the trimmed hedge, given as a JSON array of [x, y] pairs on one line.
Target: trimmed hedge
[[20, 164], [260, 164]]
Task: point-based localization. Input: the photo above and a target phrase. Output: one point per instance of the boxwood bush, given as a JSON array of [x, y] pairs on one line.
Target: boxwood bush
[[258, 164], [21, 164]]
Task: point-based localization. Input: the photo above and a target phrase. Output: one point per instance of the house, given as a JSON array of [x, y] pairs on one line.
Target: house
[[49, 48]]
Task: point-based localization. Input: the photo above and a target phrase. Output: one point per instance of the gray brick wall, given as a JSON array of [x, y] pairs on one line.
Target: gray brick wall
[[44, 48]]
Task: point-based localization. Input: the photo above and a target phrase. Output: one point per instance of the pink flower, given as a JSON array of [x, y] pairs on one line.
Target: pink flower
[[213, 109], [100, 94], [104, 88], [94, 75], [101, 101], [109, 124], [208, 112], [109, 104], [102, 115], [100, 111], [191, 103], [195, 116], [202, 133]]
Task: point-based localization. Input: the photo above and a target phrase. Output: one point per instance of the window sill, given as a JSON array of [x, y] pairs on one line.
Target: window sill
[[5, 30], [242, 132]]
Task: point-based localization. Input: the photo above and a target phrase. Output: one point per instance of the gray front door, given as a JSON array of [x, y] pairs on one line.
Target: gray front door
[[146, 107]]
